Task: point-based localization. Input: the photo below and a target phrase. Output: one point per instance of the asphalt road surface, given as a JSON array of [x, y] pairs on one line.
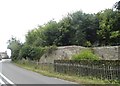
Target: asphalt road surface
[[12, 74]]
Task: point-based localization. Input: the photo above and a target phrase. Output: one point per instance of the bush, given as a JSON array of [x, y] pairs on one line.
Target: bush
[[31, 52], [25, 52], [87, 44], [37, 53], [50, 49], [85, 55]]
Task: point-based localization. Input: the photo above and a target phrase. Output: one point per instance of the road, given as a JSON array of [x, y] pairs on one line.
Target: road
[[12, 74]]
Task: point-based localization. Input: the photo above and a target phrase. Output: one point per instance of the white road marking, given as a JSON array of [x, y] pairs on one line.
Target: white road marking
[[1, 82], [10, 82]]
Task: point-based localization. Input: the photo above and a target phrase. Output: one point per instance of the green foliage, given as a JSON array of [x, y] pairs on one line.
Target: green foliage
[[78, 28], [37, 53], [51, 33], [75, 29], [35, 37], [85, 55], [30, 52], [14, 45], [50, 49], [108, 27], [87, 44], [25, 52]]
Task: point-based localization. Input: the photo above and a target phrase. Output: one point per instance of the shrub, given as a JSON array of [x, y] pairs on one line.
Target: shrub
[[85, 55], [87, 44], [50, 49], [37, 53], [31, 52], [25, 52]]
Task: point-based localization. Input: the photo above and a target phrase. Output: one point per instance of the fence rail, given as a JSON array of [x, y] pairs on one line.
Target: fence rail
[[104, 69]]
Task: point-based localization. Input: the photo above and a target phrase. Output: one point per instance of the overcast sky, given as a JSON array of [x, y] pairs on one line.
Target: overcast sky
[[17, 17]]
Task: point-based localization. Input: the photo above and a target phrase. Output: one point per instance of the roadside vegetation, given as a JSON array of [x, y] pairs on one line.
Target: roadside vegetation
[[85, 55], [48, 71], [78, 28]]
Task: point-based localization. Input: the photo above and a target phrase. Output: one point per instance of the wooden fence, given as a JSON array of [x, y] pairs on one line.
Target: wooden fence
[[103, 69]]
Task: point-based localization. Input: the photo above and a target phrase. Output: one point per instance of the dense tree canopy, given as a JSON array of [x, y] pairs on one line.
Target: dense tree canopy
[[78, 28], [108, 28]]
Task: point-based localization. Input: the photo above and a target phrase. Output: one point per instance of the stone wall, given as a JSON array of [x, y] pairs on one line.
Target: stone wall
[[108, 53], [66, 52]]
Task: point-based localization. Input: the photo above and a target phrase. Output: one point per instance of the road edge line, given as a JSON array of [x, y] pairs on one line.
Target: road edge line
[[6, 79], [1, 82]]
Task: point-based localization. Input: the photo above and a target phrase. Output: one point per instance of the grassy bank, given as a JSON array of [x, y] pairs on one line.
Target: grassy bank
[[48, 71]]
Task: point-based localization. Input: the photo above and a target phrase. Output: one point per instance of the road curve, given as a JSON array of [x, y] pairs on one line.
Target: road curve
[[22, 76]]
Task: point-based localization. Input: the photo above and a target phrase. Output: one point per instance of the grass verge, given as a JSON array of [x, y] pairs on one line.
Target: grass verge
[[50, 73]]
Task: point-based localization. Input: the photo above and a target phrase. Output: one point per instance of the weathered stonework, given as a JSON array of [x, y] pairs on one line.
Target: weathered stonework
[[66, 52], [108, 53]]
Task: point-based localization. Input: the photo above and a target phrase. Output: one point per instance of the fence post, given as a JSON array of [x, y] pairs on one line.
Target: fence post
[[118, 73], [118, 52]]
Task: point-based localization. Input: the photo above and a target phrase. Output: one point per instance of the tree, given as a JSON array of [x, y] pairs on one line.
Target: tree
[[117, 5], [86, 26], [31, 36], [51, 33], [108, 27], [67, 32], [31, 52], [78, 28], [78, 24], [14, 45]]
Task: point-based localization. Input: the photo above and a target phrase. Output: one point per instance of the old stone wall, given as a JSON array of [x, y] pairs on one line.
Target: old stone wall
[[66, 52], [108, 53]]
